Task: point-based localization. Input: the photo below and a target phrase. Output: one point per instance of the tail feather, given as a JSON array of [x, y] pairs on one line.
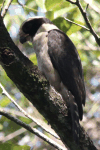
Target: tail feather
[[75, 117]]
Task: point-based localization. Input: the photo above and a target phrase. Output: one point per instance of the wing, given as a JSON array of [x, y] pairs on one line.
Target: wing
[[66, 61]]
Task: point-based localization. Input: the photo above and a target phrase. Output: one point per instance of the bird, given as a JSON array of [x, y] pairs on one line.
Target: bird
[[59, 61]]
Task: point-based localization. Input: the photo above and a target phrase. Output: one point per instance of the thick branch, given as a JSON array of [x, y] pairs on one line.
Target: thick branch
[[32, 84]]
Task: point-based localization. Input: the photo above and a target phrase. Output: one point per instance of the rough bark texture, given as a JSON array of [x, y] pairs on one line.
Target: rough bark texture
[[31, 83]]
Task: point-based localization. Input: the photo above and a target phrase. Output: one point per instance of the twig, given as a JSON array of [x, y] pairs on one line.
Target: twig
[[84, 14], [24, 6], [76, 24], [6, 8], [32, 130], [86, 8], [24, 112], [94, 7], [14, 112], [71, 2]]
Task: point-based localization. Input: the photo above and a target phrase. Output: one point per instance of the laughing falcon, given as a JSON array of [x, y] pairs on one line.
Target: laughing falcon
[[59, 62]]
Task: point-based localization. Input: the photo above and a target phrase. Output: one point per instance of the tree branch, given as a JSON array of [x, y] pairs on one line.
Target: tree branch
[[76, 23], [33, 85], [15, 133], [71, 2], [84, 14], [25, 113], [94, 7], [24, 6], [2, 6], [6, 8], [32, 130]]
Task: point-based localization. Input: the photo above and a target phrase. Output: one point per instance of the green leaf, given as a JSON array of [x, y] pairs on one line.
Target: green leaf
[[62, 5], [8, 146], [50, 15], [33, 58], [14, 1], [1, 126], [51, 4], [31, 6], [40, 3], [61, 24], [62, 11], [1, 1], [4, 102], [74, 28], [65, 26]]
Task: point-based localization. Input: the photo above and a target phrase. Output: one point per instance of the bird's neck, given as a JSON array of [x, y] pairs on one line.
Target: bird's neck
[[46, 27]]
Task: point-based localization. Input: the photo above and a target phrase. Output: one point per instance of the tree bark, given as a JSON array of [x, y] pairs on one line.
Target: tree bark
[[35, 87]]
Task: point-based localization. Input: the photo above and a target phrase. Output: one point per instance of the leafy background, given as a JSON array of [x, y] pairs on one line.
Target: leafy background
[[13, 135]]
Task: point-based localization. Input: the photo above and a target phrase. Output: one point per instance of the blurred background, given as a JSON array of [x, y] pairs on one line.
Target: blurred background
[[13, 136]]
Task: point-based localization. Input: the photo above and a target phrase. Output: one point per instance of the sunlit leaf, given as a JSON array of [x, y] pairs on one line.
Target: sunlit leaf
[[1, 1], [7, 146], [74, 28], [1, 126], [33, 58], [61, 24], [52, 4], [62, 11], [31, 6], [40, 3], [63, 4], [50, 15], [4, 102]]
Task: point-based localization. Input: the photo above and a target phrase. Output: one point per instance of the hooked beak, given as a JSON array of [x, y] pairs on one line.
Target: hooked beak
[[24, 38]]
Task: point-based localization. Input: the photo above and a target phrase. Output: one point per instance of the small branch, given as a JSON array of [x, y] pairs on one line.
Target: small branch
[[32, 130], [24, 6], [71, 2], [20, 3], [27, 115], [84, 14], [6, 8], [97, 38], [86, 8], [2, 6], [14, 112], [76, 24], [94, 7]]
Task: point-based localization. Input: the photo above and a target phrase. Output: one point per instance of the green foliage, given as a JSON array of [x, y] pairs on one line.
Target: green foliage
[[33, 58], [52, 4], [40, 3], [4, 102], [8, 146], [61, 23], [87, 48]]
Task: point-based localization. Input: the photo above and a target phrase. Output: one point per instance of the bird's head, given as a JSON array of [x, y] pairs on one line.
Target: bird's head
[[30, 27]]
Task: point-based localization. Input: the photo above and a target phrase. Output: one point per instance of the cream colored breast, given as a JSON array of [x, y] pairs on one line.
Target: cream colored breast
[[40, 43]]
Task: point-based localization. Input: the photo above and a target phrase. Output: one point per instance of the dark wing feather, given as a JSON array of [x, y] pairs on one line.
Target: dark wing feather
[[66, 61]]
